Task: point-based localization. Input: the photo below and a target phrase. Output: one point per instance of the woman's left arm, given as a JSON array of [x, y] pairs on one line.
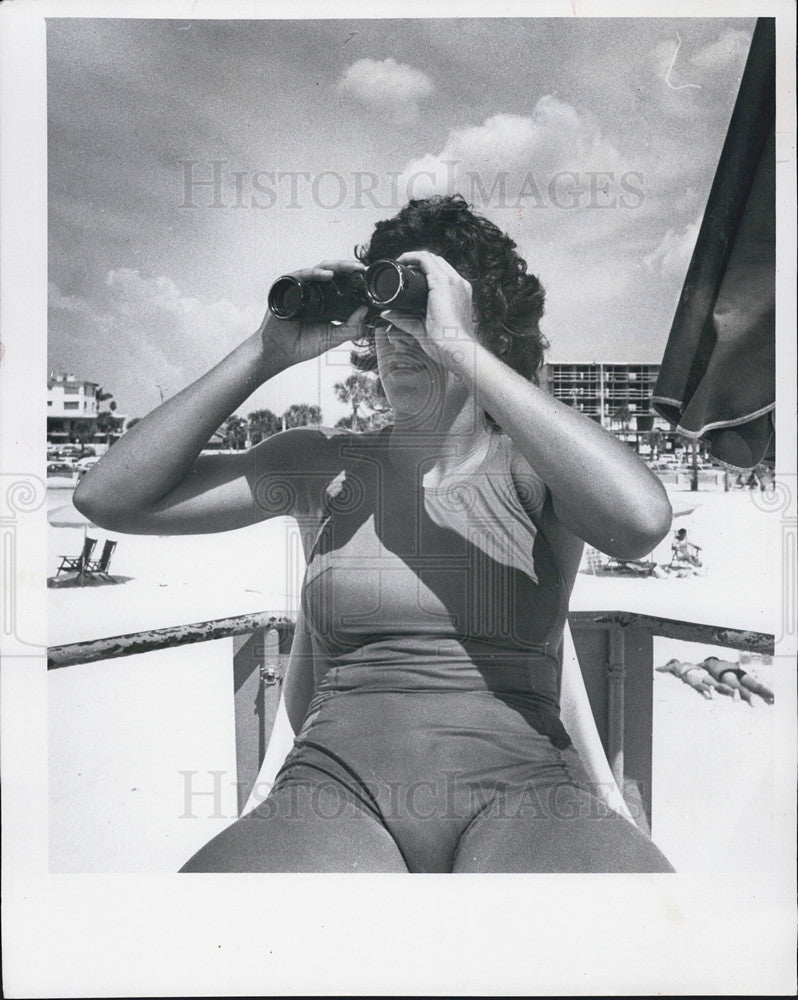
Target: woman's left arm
[[601, 490]]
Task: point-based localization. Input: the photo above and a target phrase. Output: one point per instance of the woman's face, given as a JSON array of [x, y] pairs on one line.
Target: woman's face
[[415, 385]]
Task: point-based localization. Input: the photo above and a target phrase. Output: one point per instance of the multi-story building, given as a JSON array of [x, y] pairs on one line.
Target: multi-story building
[[73, 405], [618, 396], [70, 402]]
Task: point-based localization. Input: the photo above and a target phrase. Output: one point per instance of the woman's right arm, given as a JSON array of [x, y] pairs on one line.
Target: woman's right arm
[[154, 479]]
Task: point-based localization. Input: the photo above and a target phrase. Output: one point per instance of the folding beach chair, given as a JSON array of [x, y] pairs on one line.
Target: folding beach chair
[[599, 564], [685, 559], [631, 567], [79, 563], [100, 567], [577, 716]]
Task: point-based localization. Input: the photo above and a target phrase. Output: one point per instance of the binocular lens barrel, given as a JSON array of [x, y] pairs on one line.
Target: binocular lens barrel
[[383, 283], [386, 283], [286, 297], [326, 301], [404, 288]]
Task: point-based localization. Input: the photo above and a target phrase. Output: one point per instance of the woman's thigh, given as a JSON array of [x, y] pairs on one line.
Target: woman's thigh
[[558, 829], [299, 829]]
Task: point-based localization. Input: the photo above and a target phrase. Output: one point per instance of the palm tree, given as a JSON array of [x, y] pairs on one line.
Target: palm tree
[[234, 431], [301, 414], [101, 396], [354, 391], [84, 431], [262, 424], [106, 423], [359, 390], [623, 415]]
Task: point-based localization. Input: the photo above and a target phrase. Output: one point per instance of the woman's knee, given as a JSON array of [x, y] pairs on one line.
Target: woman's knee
[[573, 832], [300, 830]]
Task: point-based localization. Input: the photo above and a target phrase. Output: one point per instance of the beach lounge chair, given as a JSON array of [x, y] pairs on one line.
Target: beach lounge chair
[[631, 567], [599, 564], [79, 563], [685, 559], [100, 567], [685, 554]]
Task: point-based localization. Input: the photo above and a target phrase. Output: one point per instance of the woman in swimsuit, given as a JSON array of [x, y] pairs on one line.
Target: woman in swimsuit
[[441, 552], [738, 679], [696, 676]]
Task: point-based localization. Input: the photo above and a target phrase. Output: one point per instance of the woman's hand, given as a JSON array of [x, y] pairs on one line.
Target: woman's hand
[[601, 491], [292, 341], [448, 332]]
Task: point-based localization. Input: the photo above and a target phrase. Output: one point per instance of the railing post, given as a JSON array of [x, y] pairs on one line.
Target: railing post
[[248, 702], [259, 662], [285, 638], [616, 673]]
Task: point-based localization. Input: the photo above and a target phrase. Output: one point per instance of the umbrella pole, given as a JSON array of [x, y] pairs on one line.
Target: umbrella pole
[[81, 575]]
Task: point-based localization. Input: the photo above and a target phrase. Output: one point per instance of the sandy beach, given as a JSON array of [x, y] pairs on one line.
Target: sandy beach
[[178, 579], [713, 760]]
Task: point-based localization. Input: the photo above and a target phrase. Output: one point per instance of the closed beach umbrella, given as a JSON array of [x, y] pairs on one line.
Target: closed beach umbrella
[[717, 380], [68, 516]]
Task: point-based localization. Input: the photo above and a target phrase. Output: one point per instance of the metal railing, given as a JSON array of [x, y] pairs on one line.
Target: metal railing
[[150, 640], [614, 648]]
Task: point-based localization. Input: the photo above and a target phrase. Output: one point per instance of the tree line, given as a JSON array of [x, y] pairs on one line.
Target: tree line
[[106, 422], [359, 391]]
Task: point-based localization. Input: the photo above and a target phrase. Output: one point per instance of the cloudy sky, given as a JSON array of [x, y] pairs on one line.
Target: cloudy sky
[[190, 163]]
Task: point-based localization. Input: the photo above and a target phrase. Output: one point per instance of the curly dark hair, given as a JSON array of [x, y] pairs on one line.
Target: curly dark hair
[[508, 302]]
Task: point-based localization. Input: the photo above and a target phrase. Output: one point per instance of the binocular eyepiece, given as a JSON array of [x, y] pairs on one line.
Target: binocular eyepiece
[[386, 284]]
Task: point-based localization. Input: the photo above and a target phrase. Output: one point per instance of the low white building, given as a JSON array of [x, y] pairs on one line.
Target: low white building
[[72, 404]]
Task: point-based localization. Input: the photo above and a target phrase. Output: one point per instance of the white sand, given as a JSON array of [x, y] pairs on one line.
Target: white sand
[[130, 740], [195, 577], [713, 760], [713, 807]]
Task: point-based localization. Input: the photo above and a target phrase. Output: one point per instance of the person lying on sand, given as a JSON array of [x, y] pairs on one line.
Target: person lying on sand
[[733, 675], [697, 677], [713, 674]]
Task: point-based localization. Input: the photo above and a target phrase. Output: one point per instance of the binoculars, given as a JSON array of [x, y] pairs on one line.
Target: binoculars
[[386, 284]]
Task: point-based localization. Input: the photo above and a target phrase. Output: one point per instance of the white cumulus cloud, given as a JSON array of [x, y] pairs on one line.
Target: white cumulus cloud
[[671, 257], [386, 84], [730, 50], [527, 151], [135, 331], [685, 83], [157, 307]]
